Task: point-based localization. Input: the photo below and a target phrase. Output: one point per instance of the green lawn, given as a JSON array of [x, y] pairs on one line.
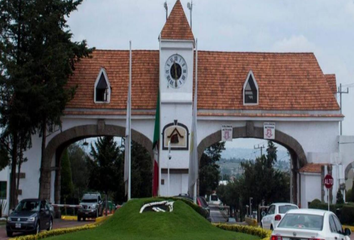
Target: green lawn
[[128, 224]]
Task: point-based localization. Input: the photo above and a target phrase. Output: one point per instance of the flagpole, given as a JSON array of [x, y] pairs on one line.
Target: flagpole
[[196, 116], [129, 142], [159, 150]]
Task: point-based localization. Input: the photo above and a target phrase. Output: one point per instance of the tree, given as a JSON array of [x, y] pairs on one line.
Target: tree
[[340, 199], [104, 172], [78, 162], [261, 171], [141, 171], [209, 173], [37, 57], [67, 186]]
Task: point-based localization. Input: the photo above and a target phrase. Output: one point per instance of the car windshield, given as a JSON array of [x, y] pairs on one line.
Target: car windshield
[[28, 206], [89, 200], [302, 221], [285, 208]]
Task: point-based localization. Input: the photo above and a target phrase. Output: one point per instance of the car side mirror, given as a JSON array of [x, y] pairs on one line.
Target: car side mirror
[[347, 232]]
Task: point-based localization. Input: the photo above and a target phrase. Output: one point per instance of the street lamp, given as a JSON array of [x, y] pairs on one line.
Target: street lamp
[[251, 206]]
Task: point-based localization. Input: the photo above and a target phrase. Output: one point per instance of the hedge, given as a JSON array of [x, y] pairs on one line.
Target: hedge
[[256, 231], [345, 212]]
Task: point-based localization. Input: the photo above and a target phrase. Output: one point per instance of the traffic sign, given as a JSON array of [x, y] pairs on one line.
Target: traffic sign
[[328, 181]]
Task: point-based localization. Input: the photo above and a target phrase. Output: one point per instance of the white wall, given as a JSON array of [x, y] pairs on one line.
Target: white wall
[[310, 188]]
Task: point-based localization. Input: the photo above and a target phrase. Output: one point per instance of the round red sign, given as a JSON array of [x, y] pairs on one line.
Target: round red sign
[[328, 181]]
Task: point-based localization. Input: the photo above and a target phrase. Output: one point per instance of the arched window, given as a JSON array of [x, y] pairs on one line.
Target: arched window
[[102, 88], [250, 90]]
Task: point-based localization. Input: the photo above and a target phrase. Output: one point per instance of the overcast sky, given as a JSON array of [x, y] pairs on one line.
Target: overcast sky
[[324, 27]]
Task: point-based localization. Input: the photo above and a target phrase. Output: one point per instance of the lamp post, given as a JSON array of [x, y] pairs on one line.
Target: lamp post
[[251, 206]]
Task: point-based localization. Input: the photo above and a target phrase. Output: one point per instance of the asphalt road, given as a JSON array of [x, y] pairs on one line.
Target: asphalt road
[[216, 215], [58, 223]]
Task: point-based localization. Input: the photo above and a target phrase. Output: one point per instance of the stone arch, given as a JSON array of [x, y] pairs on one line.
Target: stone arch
[[347, 170], [250, 131], [67, 137]]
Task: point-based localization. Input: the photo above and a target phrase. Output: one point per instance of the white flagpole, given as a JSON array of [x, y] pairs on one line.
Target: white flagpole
[[130, 102], [196, 116]]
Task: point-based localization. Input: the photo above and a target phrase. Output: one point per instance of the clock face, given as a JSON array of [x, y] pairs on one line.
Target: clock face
[[176, 71]]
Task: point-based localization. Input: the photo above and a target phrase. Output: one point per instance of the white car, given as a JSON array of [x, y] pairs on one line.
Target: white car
[[310, 224], [275, 213]]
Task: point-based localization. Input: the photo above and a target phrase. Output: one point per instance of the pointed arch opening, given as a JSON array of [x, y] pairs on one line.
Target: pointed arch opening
[[102, 92], [250, 90]]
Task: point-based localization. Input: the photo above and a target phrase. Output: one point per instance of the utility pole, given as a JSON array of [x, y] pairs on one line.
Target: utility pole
[[260, 147], [340, 102]]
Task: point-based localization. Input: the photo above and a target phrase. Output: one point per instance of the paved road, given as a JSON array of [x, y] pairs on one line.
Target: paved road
[[216, 215], [58, 223]]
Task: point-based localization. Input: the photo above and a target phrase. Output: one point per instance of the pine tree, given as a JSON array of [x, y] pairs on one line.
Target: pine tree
[[104, 167]]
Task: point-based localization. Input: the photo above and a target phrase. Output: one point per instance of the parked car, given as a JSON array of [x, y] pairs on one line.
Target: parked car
[[275, 213], [310, 224], [214, 199], [91, 206], [30, 216]]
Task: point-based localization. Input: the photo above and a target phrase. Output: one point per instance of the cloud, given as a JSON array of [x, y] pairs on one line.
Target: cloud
[[294, 44]]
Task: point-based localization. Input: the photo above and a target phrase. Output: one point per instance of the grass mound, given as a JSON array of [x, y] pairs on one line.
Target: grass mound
[[182, 223]]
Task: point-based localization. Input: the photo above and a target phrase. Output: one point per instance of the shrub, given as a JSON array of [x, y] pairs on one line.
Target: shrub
[[347, 214], [257, 231]]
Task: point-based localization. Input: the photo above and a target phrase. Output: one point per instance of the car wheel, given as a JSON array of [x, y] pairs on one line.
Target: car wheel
[[78, 218], [271, 227], [9, 233], [37, 228], [50, 227], [83, 219]]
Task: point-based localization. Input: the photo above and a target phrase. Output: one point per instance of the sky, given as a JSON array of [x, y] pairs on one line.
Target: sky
[[324, 27]]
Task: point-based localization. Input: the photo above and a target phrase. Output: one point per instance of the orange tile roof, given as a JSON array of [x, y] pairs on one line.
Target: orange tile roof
[[286, 81], [312, 168], [177, 26], [331, 80]]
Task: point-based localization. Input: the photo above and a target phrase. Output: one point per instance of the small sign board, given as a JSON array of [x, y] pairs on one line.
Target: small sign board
[[328, 181], [226, 133], [269, 130]]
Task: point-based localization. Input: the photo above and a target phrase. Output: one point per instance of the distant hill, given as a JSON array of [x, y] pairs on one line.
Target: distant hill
[[231, 158], [249, 154]]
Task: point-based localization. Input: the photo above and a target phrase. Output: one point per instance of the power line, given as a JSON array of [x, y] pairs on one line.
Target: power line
[[260, 147]]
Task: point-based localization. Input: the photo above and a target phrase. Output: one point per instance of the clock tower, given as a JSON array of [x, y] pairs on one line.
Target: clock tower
[[176, 95]]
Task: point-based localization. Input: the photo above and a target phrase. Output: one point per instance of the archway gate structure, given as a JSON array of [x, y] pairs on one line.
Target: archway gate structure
[[243, 90]]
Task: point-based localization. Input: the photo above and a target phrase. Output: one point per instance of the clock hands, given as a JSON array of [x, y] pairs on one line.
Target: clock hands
[[175, 67]]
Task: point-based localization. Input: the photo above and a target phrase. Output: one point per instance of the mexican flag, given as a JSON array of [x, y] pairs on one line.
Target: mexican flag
[[156, 147]]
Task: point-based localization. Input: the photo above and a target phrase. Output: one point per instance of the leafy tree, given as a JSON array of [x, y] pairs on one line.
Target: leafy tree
[[230, 195], [261, 171], [79, 170], [141, 171], [37, 57], [209, 173], [340, 199], [67, 186]]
